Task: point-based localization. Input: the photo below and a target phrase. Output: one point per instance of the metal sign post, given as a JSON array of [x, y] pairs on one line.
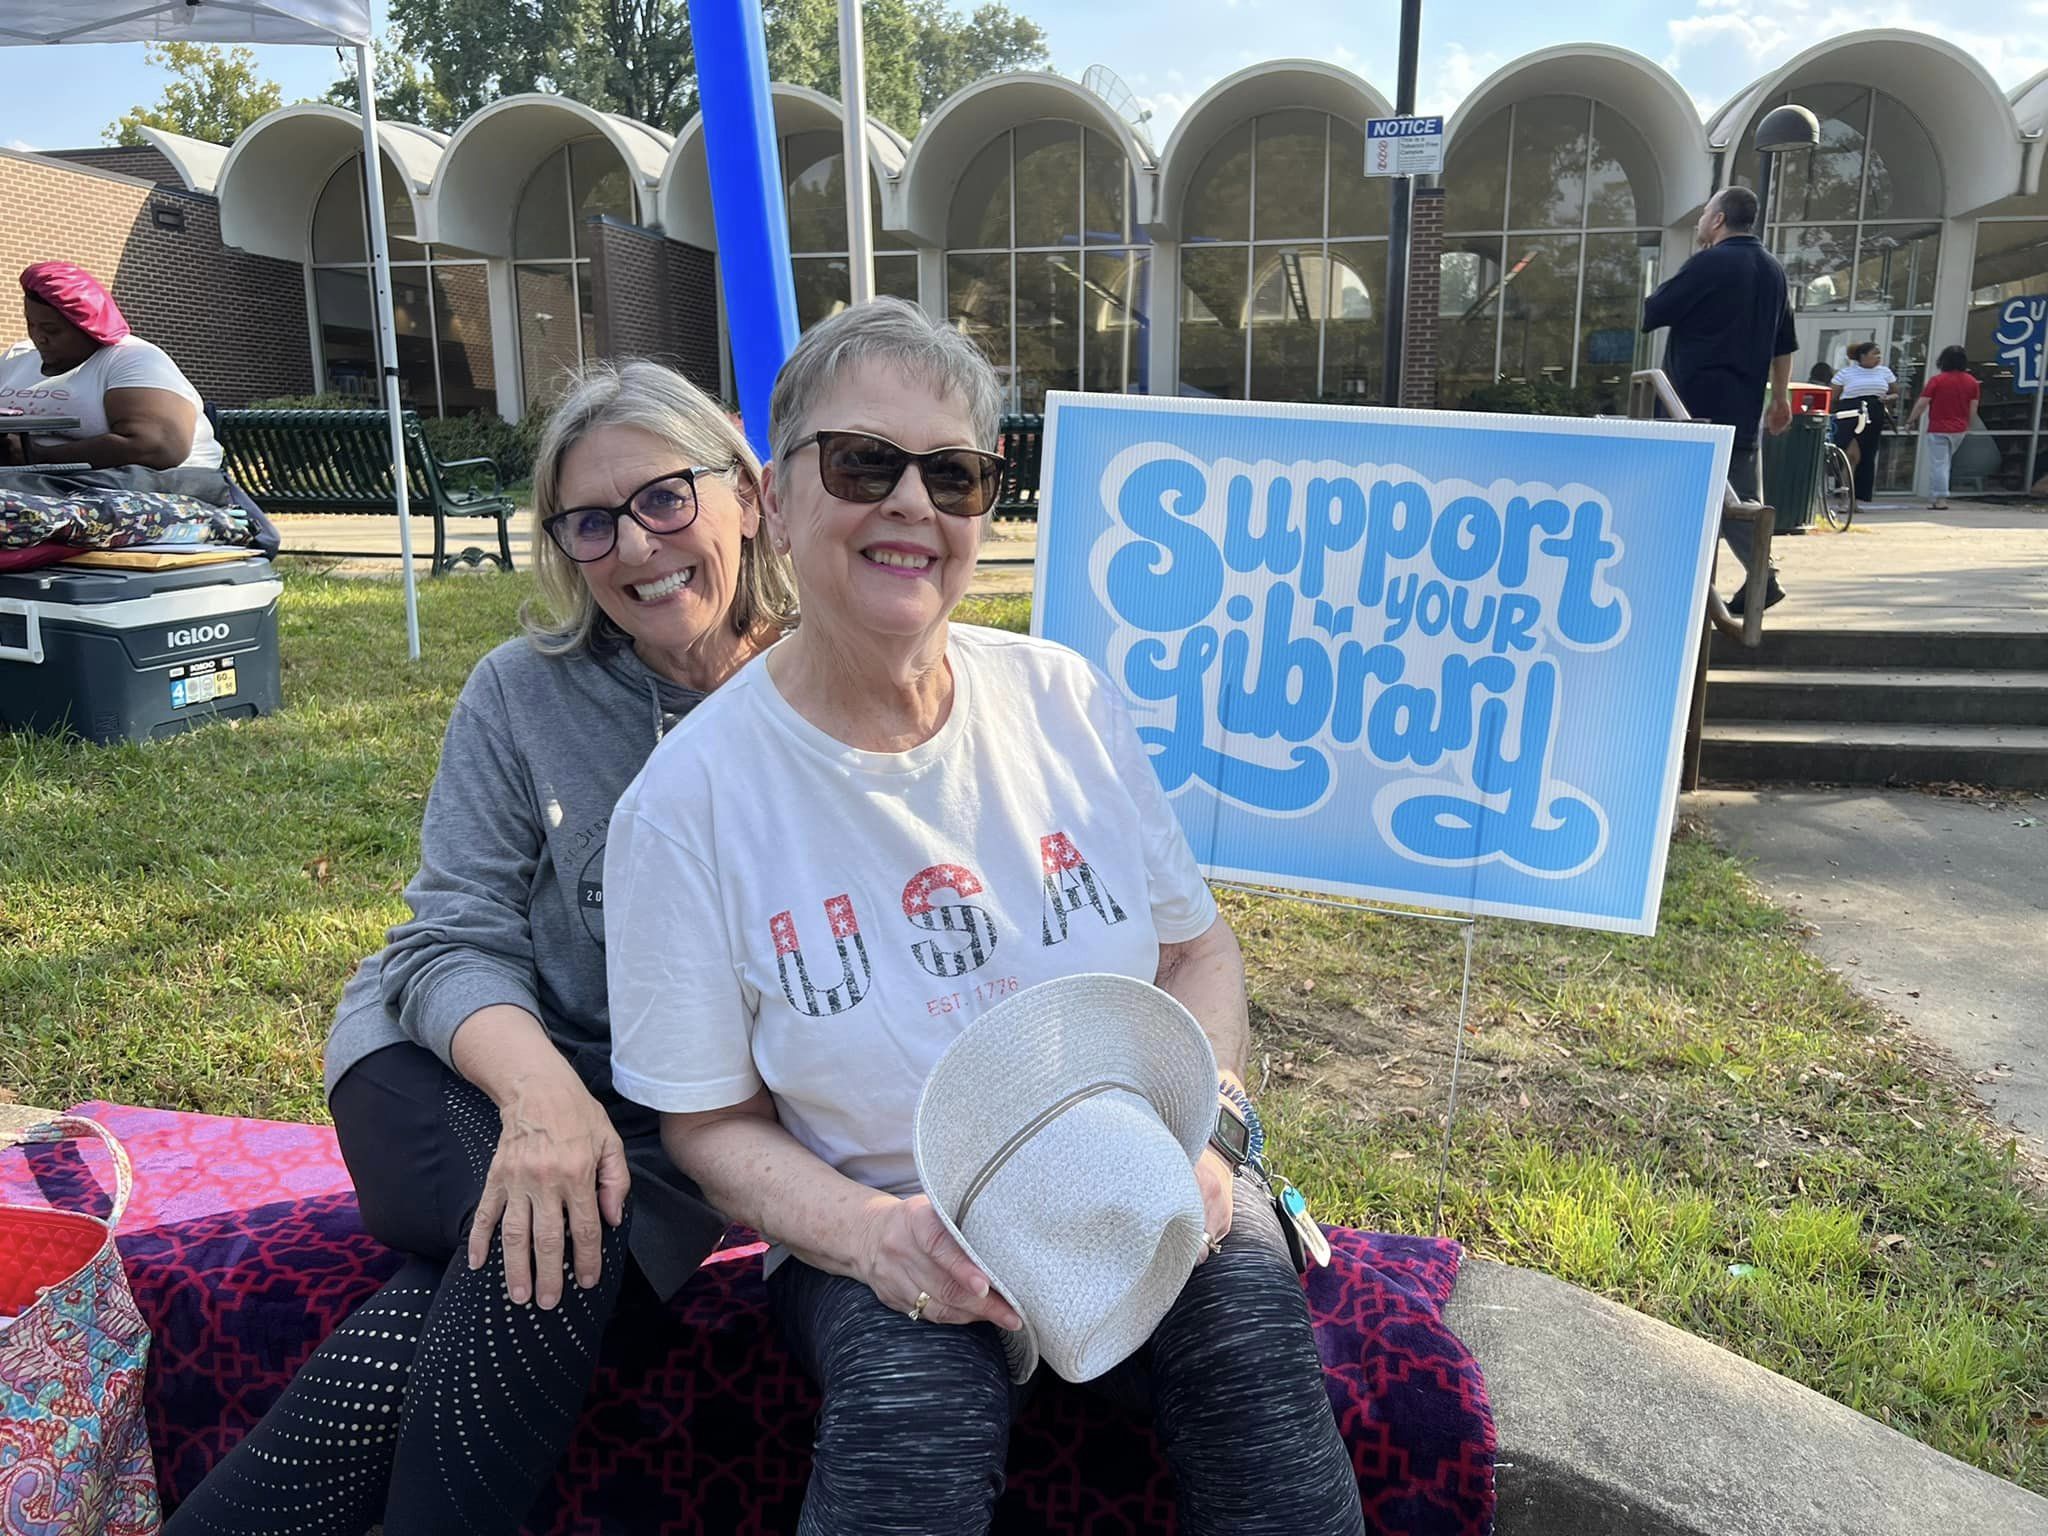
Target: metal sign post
[[1396, 335]]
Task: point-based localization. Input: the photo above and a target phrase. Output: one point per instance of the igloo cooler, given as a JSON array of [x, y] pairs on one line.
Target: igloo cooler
[[118, 655]]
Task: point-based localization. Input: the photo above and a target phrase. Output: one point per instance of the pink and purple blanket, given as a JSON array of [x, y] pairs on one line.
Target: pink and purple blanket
[[244, 1251]]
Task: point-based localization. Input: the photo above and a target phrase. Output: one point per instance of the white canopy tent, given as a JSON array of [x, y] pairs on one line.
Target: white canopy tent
[[323, 23]]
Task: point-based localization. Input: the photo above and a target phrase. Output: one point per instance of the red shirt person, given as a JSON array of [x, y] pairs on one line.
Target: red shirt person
[[1948, 400]]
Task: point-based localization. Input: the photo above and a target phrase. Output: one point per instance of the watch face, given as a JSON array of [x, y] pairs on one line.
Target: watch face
[[1232, 1136]]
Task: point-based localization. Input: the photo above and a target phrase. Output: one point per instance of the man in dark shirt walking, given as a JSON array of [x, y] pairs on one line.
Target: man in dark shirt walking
[[1731, 327]]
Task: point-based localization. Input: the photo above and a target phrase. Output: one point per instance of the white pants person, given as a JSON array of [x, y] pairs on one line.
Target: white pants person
[[1942, 448]]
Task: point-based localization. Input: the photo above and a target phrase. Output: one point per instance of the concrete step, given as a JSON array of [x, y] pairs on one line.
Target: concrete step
[[1951, 696], [1906, 649], [1874, 752]]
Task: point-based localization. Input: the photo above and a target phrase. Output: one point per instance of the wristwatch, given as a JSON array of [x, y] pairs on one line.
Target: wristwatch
[[1232, 1136]]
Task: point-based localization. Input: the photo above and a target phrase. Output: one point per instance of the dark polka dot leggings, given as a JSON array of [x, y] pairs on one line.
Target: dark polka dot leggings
[[438, 1406]]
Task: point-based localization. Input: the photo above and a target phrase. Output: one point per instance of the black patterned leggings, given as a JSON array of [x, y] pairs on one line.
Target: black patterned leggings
[[916, 1418], [438, 1407]]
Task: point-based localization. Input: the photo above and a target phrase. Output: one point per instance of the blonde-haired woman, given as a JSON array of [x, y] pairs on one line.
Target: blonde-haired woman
[[468, 1069]]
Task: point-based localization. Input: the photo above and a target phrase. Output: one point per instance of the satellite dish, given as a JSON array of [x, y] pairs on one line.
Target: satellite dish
[[1101, 80]]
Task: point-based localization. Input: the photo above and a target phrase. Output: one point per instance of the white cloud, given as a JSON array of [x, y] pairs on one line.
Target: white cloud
[[21, 145], [1453, 76], [1166, 108]]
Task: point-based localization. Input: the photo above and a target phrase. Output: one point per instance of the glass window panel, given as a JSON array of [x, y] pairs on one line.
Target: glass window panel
[[1212, 305], [1905, 173], [603, 189], [1468, 315], [1907, 357], [541, 226], [978, 303], [1114, 326], [980, 215], [462, 332], [1547, 187], [1289, 290], [548, 329], [1896, 270], [1826, 182], [1220, 194], [1819, 261], [1897, 459], [1288, 189], [1476, 177], [1358, 203], [338, 217], [2000, 462], [1048, 325], [1048, 184], [1624, 190], [1352, 345], [2011, 261], [1621, 271], [347, 346], [896, 277], [1108, 192], [813, 170], [1539, 293], [823, 288]]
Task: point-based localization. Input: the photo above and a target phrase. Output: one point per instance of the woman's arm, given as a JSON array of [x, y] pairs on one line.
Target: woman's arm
[[754, 1171], [1206, 975], [150, 427]]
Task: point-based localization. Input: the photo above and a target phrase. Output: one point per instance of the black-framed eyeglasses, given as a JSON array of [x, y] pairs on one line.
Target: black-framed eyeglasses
[[864, 467], [665, 504]]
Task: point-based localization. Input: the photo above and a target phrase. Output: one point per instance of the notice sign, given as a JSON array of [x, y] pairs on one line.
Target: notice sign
[[1404, 146], [1431, 657], [2022, 341]]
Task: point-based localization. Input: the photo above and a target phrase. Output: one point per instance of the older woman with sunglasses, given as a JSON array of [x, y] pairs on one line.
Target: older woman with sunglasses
[[927, 817], [468, 1069]]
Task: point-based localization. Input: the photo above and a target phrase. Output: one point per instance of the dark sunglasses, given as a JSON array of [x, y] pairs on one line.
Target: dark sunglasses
[[861, 467], [665, 504]]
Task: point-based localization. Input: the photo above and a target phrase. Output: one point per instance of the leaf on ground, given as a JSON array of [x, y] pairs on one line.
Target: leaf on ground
[[319, 869]]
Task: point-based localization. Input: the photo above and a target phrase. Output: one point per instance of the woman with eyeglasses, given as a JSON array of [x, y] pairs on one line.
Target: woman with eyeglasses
[[875, 830], [468, 1069]]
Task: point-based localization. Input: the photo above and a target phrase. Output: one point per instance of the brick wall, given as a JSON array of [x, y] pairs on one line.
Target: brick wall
[[656, 298], [235, 323], [145, 162], [1425, 281]]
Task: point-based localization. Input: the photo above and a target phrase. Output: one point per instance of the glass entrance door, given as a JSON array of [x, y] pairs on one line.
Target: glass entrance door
[[1824, 343]]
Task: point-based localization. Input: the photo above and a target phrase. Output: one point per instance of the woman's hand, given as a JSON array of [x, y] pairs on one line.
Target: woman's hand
[[908, 1252], [1219, 1198], [559, 1166]]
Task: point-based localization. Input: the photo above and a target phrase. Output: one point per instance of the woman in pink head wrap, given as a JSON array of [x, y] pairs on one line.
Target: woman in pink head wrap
[[131, 402]]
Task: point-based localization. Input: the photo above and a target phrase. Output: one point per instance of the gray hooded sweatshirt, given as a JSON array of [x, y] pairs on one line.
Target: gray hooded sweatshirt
[[508, 905]]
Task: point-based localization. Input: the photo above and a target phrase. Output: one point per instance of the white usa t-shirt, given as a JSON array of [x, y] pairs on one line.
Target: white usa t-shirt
[[785, 910], [130, 363]]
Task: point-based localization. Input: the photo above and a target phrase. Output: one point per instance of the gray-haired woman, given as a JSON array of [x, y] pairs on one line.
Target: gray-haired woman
[[468, 1067], [933, 817]]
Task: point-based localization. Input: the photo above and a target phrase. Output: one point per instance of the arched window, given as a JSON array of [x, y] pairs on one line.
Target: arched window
[[814, 184], [1044, 267], [1553, 212], [1283, 264], [581, 181], [2011, 262], [440, 303]]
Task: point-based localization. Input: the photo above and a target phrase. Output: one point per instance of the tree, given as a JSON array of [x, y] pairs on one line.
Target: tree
[[634, 57], [405, 93], [214, 94]]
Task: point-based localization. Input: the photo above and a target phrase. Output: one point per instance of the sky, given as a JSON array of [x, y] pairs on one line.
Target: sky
[[1170, 51]]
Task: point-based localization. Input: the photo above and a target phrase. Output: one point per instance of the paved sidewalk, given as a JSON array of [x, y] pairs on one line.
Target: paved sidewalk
[[1937, 908]]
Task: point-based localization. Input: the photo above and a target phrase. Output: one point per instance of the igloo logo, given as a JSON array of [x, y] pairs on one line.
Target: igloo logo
[[197, 634]]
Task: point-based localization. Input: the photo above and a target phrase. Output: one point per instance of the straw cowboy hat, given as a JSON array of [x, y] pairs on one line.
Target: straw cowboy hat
[[1057, 1139]]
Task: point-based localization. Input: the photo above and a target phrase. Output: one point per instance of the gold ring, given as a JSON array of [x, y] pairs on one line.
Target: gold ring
[[916, 1312]]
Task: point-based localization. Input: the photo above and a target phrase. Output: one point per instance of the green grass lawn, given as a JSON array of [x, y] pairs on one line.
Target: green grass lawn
[[1707, 1124]]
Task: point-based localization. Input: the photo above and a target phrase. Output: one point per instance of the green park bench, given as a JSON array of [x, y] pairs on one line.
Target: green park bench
[[339, 462], [1020, 439]]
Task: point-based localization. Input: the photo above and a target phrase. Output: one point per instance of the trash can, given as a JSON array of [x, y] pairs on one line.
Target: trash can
[[1792, 471]]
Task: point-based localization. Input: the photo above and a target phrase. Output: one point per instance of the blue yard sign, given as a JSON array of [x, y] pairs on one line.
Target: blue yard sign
[[2022, 340], [1430, 657]]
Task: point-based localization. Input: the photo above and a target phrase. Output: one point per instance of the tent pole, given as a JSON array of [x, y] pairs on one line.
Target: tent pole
[[860, 236], [387, 335]]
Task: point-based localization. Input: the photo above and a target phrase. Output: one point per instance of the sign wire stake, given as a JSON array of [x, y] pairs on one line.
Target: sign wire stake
[[1443, 1166]]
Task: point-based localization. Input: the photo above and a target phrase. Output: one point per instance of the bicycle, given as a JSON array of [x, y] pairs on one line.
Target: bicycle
[[1838, 476]]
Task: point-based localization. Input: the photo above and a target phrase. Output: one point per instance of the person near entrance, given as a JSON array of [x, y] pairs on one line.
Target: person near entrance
[[1731, 330], [1948, 401], [1865, 389]]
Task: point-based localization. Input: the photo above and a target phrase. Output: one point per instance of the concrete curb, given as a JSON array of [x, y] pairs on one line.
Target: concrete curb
[[1614, 1424]]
